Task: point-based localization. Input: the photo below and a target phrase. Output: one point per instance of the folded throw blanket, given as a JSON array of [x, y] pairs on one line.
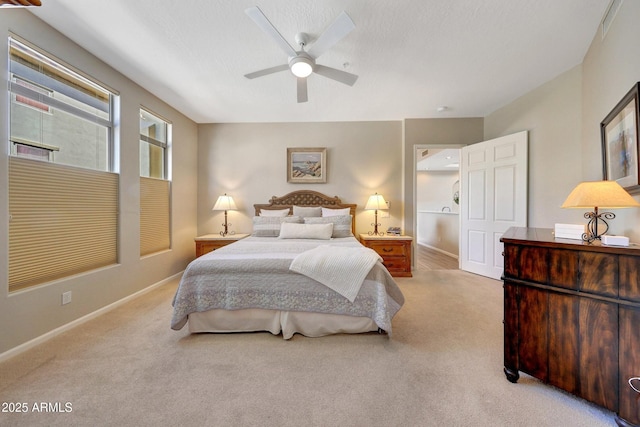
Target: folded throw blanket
[[342, 269]]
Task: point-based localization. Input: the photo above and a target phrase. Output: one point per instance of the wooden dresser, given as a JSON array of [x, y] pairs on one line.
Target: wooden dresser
[[211, 242], [394, 250], [572, 317]]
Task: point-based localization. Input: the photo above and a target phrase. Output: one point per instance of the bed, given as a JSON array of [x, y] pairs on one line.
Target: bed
[[275, 280]]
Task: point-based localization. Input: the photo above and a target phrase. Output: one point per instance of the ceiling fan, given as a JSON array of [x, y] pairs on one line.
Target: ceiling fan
[[301, 63]]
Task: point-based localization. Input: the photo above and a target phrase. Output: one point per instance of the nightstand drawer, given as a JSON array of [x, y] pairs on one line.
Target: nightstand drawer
[[396, 264], [389, 248]]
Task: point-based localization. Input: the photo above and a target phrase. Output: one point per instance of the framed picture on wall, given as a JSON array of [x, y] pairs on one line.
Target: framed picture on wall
[[619, 133], [307, 165]]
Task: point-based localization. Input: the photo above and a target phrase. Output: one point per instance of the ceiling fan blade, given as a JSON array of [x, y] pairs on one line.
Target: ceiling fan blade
[[302, 90], [342, 26], [267, 71], [337, 75], [265, 25]]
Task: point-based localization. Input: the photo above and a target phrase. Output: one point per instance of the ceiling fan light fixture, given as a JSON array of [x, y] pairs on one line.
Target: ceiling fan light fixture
[[301, 66]]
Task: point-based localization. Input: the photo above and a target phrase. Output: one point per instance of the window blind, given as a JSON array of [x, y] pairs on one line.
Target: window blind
[[63, 221], [155, 221]]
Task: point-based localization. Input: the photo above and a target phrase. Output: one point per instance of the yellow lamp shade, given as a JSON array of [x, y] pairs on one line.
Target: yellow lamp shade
[[601, 194]]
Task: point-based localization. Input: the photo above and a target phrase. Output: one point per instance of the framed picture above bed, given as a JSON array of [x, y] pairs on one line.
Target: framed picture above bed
[[307, 165], [619, 133]]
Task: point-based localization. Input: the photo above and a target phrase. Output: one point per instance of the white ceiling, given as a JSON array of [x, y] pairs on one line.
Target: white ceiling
[[438, 160], [411, 56]]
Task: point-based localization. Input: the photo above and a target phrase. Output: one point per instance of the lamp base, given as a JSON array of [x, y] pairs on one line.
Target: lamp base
[[375, 227], [226, 227], [592, 226]]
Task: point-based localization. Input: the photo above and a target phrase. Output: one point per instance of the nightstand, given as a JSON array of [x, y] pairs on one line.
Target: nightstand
[[394, 250], [211, 242]]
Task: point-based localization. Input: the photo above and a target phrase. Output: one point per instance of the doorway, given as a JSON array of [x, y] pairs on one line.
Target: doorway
[[436, 202]]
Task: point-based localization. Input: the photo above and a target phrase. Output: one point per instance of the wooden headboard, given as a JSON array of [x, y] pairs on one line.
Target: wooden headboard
[[308, 198]]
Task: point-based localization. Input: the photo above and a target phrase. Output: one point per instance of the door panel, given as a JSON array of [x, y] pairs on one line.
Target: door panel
[[505, 194], [477, 197], [493, 195], [477, 247]]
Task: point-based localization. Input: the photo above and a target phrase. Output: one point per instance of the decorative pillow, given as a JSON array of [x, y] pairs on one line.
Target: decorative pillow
[[306, 231], [274, 212], [307, 211], [341, 224], [269, 226], [335, 212]]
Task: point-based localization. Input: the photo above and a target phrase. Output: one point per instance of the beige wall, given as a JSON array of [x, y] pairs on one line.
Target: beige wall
[[563, 118], [610, 68], [28, 314], [248, 161], [551, 114]]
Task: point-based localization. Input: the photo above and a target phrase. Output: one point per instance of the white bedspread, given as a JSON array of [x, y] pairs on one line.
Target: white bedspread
[[342, 269]]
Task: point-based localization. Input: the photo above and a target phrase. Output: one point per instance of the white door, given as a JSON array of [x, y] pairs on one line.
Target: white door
[[493, 195]]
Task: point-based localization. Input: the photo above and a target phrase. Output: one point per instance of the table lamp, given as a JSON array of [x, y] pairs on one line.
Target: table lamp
[[376, 202], [225, 203], [599, 194]]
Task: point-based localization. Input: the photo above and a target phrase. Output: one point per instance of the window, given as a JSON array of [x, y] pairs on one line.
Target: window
[[154, 133], [53, 105], [62, 185], [155, 187]]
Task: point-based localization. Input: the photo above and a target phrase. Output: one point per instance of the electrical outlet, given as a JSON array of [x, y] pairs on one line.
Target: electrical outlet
[[66, 297]]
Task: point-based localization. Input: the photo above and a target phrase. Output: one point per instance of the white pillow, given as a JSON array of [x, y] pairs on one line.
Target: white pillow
[[274, 212], [335, 212], [307, 211], [306, 231]]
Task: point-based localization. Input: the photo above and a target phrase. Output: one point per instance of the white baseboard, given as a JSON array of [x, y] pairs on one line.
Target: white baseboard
[[439, 250], [45, 337]]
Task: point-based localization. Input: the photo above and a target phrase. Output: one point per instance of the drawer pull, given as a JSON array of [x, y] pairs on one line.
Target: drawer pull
[[387, 250], [636, 387]]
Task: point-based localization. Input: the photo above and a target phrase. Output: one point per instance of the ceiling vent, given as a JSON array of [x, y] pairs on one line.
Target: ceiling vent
[[610, 15]]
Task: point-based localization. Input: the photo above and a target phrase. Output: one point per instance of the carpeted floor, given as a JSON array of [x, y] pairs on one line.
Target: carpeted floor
[[441, 367]]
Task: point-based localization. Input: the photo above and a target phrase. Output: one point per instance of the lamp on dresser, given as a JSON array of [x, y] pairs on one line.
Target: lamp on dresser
[[376, 202], [599, 194], [225, 203]]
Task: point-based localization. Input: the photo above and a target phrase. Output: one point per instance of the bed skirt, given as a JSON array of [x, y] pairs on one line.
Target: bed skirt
[[275, 321]]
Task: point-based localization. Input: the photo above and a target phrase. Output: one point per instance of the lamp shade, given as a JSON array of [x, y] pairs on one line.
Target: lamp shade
[[224, 203], [376, 202], [601, 194]]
